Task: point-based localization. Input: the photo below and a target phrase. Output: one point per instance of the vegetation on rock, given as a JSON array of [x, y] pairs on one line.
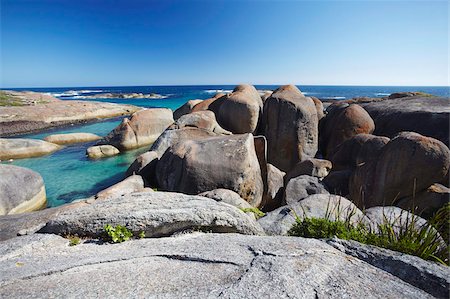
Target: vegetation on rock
[[257, 212], [117, 234], [425, 242]]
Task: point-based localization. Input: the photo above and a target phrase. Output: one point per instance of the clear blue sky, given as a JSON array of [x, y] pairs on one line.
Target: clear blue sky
[[102, 43]]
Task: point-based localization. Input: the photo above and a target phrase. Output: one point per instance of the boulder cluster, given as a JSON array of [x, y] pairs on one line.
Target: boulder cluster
[[277, 149], [244, 163]]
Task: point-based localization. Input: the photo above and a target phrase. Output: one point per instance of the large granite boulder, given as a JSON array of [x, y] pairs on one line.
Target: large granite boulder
[[228, 197], [342, 122], [427, 202], [408, 164], [185, 109], [21, 190], [143, 128], [131, 184], [291, 127], [319, 107], [171, 137], [101, 151], [211, 266], [228, 162], [205, 120], [145, 166], [332, 207], [428, 116], [275, 188], [359, 149], [70, 138], [18, 148], [301, 187], [337, 182], [240, 111], [209, 104], [155, 213]]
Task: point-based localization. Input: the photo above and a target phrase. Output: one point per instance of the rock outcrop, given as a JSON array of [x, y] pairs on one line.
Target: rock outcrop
[[155, 213], [171, 137], [342, 122], [205, 120], [37, 111], [70, 138], [101, 151], [198, 266], [228, 197], [143, 128], [145, 166], [428, 116], [185, 109], [240, 111], [275, 188], [18, 148], [313, 167], [228, 162], [291, 127], [21, 190], [408, 164], [131, 184], [301, 187]]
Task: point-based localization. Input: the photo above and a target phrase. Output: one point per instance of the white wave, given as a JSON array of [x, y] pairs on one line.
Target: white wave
[[333, 98], [73, 93], [382, 94], [218, 90]]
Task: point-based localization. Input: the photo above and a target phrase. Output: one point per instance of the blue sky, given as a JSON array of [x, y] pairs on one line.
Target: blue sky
[[104, 43]]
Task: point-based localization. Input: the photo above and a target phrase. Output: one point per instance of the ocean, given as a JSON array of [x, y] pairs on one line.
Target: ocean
[[69, 175]]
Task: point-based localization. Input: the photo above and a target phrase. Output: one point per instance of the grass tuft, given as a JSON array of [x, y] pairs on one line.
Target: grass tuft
[[257, 212], [424, 242]]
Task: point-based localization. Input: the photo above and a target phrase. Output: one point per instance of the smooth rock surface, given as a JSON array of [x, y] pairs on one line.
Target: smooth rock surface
[[142, 129], [156, 213], [205, 120], [240, 111], [228, 162], [275, 188], [313, 167], [70, 138], [101, 151], [342, 122], [408, 164], [226, 196], [291, 127], [171, 137], [131, 184], [301, 187], [433, 278], [186, 108], [192, 266], [145, 166], [18, 148], [428, 116], [21, 190]]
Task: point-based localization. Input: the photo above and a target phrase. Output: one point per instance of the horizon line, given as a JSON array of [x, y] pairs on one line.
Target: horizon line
[[186, 85]]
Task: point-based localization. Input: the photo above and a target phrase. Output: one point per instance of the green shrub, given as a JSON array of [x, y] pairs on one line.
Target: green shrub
[[73, 240], [257, 212], [424, 242], [142, 235], [118, 233]]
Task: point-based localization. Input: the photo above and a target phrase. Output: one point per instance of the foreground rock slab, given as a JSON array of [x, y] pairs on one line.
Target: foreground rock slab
[[21, 190], [156, 213], [25, 148], [192, 266]]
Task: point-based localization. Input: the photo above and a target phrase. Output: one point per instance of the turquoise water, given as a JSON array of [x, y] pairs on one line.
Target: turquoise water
[[69, 175]]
